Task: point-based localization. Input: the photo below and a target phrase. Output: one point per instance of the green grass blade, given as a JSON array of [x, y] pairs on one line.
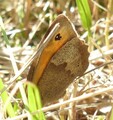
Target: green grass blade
[[31, 102], [5, 38], [34, 102], [85, 13], [4, 96], [39, 104], [111, 114], [3, 31]]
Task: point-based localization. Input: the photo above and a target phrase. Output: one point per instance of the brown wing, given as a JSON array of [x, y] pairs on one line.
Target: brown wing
[[65, 33]]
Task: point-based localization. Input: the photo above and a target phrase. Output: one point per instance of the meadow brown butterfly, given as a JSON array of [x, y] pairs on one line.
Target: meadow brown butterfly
[[63, 59]]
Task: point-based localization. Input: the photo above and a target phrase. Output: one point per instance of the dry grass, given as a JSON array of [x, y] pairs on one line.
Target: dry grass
[[25, 22]]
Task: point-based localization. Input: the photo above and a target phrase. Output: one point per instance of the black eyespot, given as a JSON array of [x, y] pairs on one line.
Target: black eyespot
[[58, 36]]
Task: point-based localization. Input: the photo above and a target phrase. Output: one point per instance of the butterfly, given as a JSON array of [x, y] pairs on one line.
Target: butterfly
[[64, 58]]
